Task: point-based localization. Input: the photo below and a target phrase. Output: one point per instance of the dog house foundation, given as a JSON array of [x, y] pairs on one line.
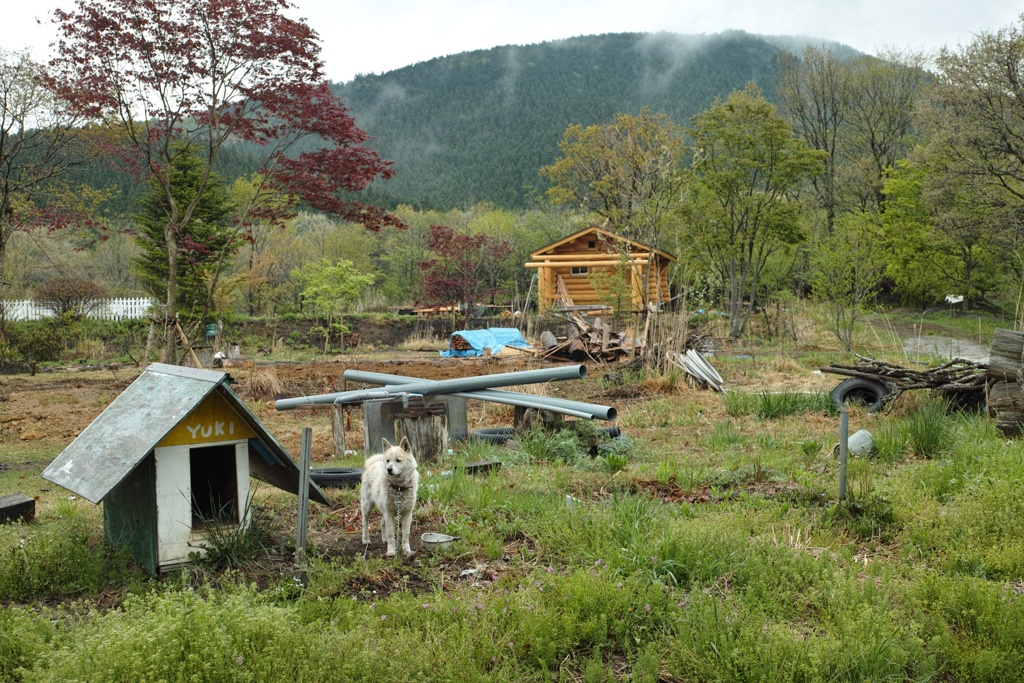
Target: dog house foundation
[[171, 459]]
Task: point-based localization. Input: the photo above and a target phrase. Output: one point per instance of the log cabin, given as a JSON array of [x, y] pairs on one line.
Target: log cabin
[[566, 271]]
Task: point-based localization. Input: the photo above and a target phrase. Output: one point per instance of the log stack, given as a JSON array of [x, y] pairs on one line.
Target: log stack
[[1006, 378]]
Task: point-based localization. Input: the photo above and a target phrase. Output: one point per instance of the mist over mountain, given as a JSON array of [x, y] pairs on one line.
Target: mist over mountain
[[477, 126]]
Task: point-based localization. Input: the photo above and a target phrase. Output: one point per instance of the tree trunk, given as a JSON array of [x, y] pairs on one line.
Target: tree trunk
[[4, 233], [427, 431], [171, 304]]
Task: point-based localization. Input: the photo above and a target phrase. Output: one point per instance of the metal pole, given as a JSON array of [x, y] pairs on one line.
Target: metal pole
[[589, 411], [304, 457], [444, 386], [844, 447]]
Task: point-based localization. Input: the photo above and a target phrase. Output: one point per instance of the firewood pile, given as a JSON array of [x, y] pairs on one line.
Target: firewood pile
[[590, 341], [958, 380], [457, 343], [1006, 379]]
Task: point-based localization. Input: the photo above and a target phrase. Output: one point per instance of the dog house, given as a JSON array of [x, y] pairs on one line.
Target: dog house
[[170, 459]]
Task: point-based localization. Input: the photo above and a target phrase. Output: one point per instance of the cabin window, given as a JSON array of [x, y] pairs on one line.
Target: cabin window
[[580, 270], [214, 485], [592, 244]]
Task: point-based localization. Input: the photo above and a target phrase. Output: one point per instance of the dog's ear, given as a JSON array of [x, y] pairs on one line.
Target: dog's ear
[[387, 444], [405, 445]]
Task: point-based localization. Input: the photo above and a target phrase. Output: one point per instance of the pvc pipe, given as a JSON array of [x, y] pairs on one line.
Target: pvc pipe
[[589, 411], [844, 432], [415, 385]]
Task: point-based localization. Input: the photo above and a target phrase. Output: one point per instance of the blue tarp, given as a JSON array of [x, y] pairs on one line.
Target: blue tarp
[[494, 338]]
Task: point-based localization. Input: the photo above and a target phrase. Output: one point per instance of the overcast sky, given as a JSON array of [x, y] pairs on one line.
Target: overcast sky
[[375, 36]]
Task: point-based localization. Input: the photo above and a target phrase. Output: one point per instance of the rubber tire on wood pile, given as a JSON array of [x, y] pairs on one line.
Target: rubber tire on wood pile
[[336, 477], [868, 392]]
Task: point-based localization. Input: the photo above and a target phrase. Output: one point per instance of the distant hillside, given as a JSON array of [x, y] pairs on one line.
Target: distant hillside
[[477, 126]]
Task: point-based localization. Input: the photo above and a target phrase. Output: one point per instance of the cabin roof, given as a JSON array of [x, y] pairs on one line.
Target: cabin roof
[[142, 415], [599, 231]]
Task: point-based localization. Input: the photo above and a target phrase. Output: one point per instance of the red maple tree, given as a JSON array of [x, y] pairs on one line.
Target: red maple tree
[[459, 275], [174, 76]]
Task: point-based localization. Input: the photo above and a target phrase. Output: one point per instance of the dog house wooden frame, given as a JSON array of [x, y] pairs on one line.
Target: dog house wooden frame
[[168, 458]]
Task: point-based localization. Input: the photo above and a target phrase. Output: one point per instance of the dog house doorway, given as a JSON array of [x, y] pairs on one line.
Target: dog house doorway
[[214, 485]]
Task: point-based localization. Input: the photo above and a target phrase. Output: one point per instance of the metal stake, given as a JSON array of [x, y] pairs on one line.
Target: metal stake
[[844, 447], [304, 456]]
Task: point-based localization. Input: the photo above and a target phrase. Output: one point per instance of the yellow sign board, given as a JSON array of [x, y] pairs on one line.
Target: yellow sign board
[[211, 421]]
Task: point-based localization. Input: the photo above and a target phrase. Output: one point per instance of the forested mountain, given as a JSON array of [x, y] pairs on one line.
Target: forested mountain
[[477, 126]]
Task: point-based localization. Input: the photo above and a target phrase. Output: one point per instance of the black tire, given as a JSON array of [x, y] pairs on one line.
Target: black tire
[[868, 392], [337, 477]]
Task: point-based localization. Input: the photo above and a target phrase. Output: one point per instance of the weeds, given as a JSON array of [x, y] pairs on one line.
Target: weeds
[[928, 429], [775, 405], [230, 545]]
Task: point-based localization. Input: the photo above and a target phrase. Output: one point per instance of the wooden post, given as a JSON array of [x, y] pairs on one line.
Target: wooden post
[[184, 340], [338, 424], [427, 431]]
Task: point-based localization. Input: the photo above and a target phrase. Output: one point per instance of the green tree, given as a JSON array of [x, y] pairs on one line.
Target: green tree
[[201, 244], [169, 77], [625, 171], [973, 127], [940, 232], [846, 273], [813, 92], [330, 289], [40, 141], [742, 209], [884, 92]]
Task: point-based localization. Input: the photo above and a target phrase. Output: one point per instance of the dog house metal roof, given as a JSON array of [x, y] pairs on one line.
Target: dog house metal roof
[[136, 421]]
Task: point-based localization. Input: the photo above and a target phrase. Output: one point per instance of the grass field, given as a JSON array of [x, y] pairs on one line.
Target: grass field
[[708, 544]]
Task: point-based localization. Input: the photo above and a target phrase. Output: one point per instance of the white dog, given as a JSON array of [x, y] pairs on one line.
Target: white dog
[[390, 481]]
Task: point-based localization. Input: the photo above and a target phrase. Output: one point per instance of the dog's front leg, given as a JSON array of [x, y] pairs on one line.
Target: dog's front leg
[[389, 532], [406, 526], [366, 506]]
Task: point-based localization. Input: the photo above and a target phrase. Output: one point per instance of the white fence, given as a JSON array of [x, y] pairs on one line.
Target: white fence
[[102, 309]]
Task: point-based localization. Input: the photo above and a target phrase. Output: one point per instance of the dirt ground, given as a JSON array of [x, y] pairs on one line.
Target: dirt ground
[[52, 407], [41, 414]]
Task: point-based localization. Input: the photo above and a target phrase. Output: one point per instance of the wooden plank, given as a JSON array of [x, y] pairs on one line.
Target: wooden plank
[[563, 293], [604, 255], [17, 506], [579, 263]]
